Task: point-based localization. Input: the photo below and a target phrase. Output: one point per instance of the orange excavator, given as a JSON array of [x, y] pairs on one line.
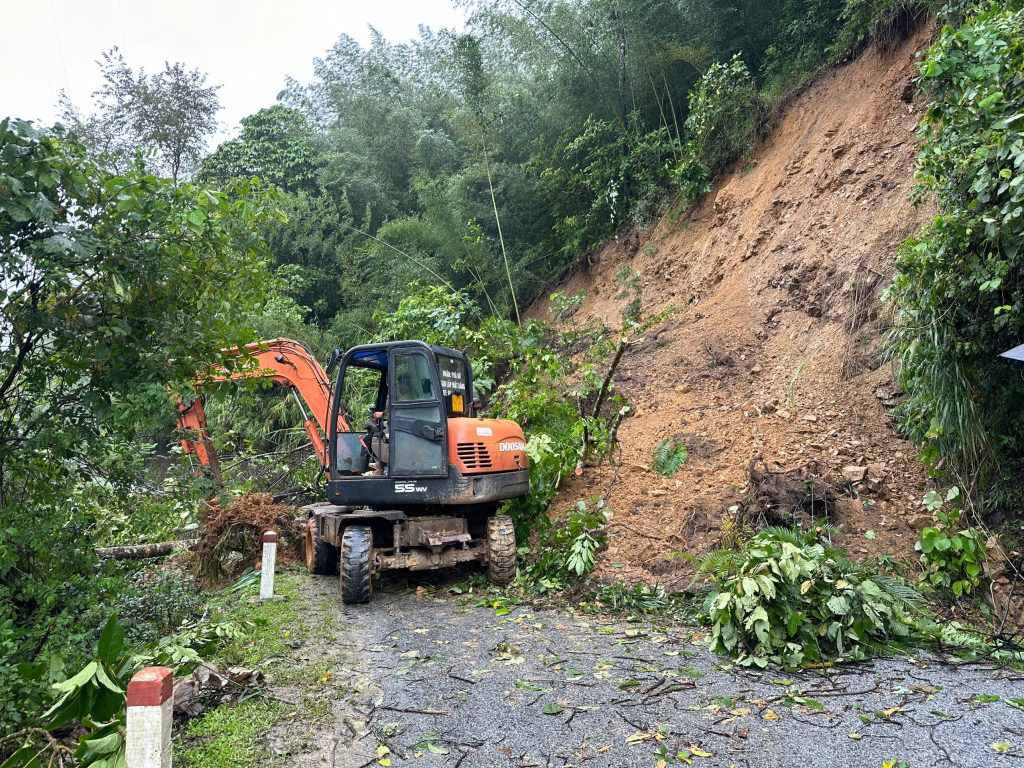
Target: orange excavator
[[418, 487]]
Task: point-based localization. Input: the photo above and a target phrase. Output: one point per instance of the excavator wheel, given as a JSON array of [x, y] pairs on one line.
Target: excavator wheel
[[321, 557], [356, 551], [501, 547]]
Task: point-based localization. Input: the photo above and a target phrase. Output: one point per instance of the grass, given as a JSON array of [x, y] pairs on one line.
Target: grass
[[229, 737], [234, 736]]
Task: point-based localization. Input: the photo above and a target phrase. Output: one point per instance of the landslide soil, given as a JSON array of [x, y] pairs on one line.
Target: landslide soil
[[775, 352]]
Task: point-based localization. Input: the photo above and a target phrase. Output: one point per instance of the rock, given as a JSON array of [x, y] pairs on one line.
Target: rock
[[876, 471], [659, 493], [809, 417], [756, 370], [919, 522], [854, 474], [684, 389], [783, 414], [769, 407]]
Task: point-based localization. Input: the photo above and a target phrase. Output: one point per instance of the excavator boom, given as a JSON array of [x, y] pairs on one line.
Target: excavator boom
[[282, 360]]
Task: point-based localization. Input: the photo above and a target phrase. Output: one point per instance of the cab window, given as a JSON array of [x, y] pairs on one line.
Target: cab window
[[413, 381]]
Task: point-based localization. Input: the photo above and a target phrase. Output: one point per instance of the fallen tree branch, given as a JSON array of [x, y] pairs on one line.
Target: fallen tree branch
[[142, 551]]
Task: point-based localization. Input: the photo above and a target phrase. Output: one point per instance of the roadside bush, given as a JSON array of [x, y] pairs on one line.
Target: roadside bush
[[952, 557], [787, 599], [568, 545], [724, 109], [959, 287], [158, 604]]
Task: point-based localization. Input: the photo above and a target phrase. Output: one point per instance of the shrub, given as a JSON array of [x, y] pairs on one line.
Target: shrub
[[953, 557], [692, 177], [724, 109], [568, 545], [159, 604], [600, 176], [789, 600], [959, 287]]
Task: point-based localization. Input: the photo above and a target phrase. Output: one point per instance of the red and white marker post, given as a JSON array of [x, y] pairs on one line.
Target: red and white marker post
[[267, 574], [150, 717]]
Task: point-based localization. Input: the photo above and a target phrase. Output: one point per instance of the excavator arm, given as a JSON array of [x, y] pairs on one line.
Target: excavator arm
[[282, 360]]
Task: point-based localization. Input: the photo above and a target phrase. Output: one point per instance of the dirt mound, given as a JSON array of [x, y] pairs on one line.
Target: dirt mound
[[231, 536], [780, 272]]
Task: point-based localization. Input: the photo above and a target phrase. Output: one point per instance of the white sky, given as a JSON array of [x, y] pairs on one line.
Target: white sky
[[247, 46]]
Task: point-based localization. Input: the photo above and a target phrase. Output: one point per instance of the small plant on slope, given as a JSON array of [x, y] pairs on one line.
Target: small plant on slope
[[788, 600], [953, 557], [668, 457]]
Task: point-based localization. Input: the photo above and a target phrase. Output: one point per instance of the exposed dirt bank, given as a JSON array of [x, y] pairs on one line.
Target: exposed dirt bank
[[779, 273]]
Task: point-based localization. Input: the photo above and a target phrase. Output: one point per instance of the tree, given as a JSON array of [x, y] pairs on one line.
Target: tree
[[276, 144], [171, 113], [116, 288]]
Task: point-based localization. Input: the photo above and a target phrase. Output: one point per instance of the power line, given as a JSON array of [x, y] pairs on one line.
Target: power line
[[60, 48]]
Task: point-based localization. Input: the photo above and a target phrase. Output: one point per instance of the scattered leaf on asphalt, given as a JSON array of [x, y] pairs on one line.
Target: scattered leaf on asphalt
[[1001, 746], [526, 685], [853, 735], [552, 709], [769, 715]]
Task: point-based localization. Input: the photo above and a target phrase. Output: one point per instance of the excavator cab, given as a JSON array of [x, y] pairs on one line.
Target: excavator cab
[[414, 478], [416, 389], [420, 446]]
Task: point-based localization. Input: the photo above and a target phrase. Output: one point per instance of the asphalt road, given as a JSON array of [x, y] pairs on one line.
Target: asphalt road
[[458, 686]]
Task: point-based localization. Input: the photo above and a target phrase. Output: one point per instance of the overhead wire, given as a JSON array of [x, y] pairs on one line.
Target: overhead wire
[[60, 48]]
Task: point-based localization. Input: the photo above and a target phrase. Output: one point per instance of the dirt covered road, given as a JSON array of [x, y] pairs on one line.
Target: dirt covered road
[[439, 680]]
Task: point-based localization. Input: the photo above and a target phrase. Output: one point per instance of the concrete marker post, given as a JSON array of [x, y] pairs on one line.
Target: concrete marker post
[[267, 574], [149, 720]]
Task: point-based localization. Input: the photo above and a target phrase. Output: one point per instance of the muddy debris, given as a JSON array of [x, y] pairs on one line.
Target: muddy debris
[[231, 536], [788, 497]]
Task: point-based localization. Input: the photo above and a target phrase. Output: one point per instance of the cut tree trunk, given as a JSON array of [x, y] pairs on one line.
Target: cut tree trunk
[[142, 551]]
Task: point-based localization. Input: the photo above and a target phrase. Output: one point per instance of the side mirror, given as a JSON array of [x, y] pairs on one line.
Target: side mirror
[[332, 360], [477, 404]]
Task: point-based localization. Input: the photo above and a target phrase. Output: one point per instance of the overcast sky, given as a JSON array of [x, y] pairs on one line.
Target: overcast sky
[[247, 46]]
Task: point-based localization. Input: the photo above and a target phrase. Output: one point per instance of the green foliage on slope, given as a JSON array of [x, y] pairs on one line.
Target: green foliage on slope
[[959, 288]]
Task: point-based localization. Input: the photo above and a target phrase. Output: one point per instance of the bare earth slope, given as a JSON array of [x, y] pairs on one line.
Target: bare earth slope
[[779, 272]]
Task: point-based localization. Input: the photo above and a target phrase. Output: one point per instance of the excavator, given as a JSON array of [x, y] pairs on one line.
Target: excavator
[[417, 487]]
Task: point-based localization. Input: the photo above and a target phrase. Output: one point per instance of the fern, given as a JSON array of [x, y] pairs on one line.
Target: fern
[[669, 456], [787, 535], [721, 562]]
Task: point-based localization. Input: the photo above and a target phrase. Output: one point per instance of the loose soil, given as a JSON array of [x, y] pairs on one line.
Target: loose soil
[[775, 354]]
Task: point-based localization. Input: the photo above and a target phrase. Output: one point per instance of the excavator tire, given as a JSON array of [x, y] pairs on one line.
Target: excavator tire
[[501, 547], [321, 557], [356, 551]]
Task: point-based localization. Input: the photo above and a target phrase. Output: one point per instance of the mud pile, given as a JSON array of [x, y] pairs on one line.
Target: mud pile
[[774, 356]]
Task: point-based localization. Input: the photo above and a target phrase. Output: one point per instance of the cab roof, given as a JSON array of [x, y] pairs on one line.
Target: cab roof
[[376, 355]]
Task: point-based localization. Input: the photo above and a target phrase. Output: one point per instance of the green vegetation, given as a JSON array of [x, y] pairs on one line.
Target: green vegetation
[[952, 557], [789, 600], [669, 456], [959, 288]]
